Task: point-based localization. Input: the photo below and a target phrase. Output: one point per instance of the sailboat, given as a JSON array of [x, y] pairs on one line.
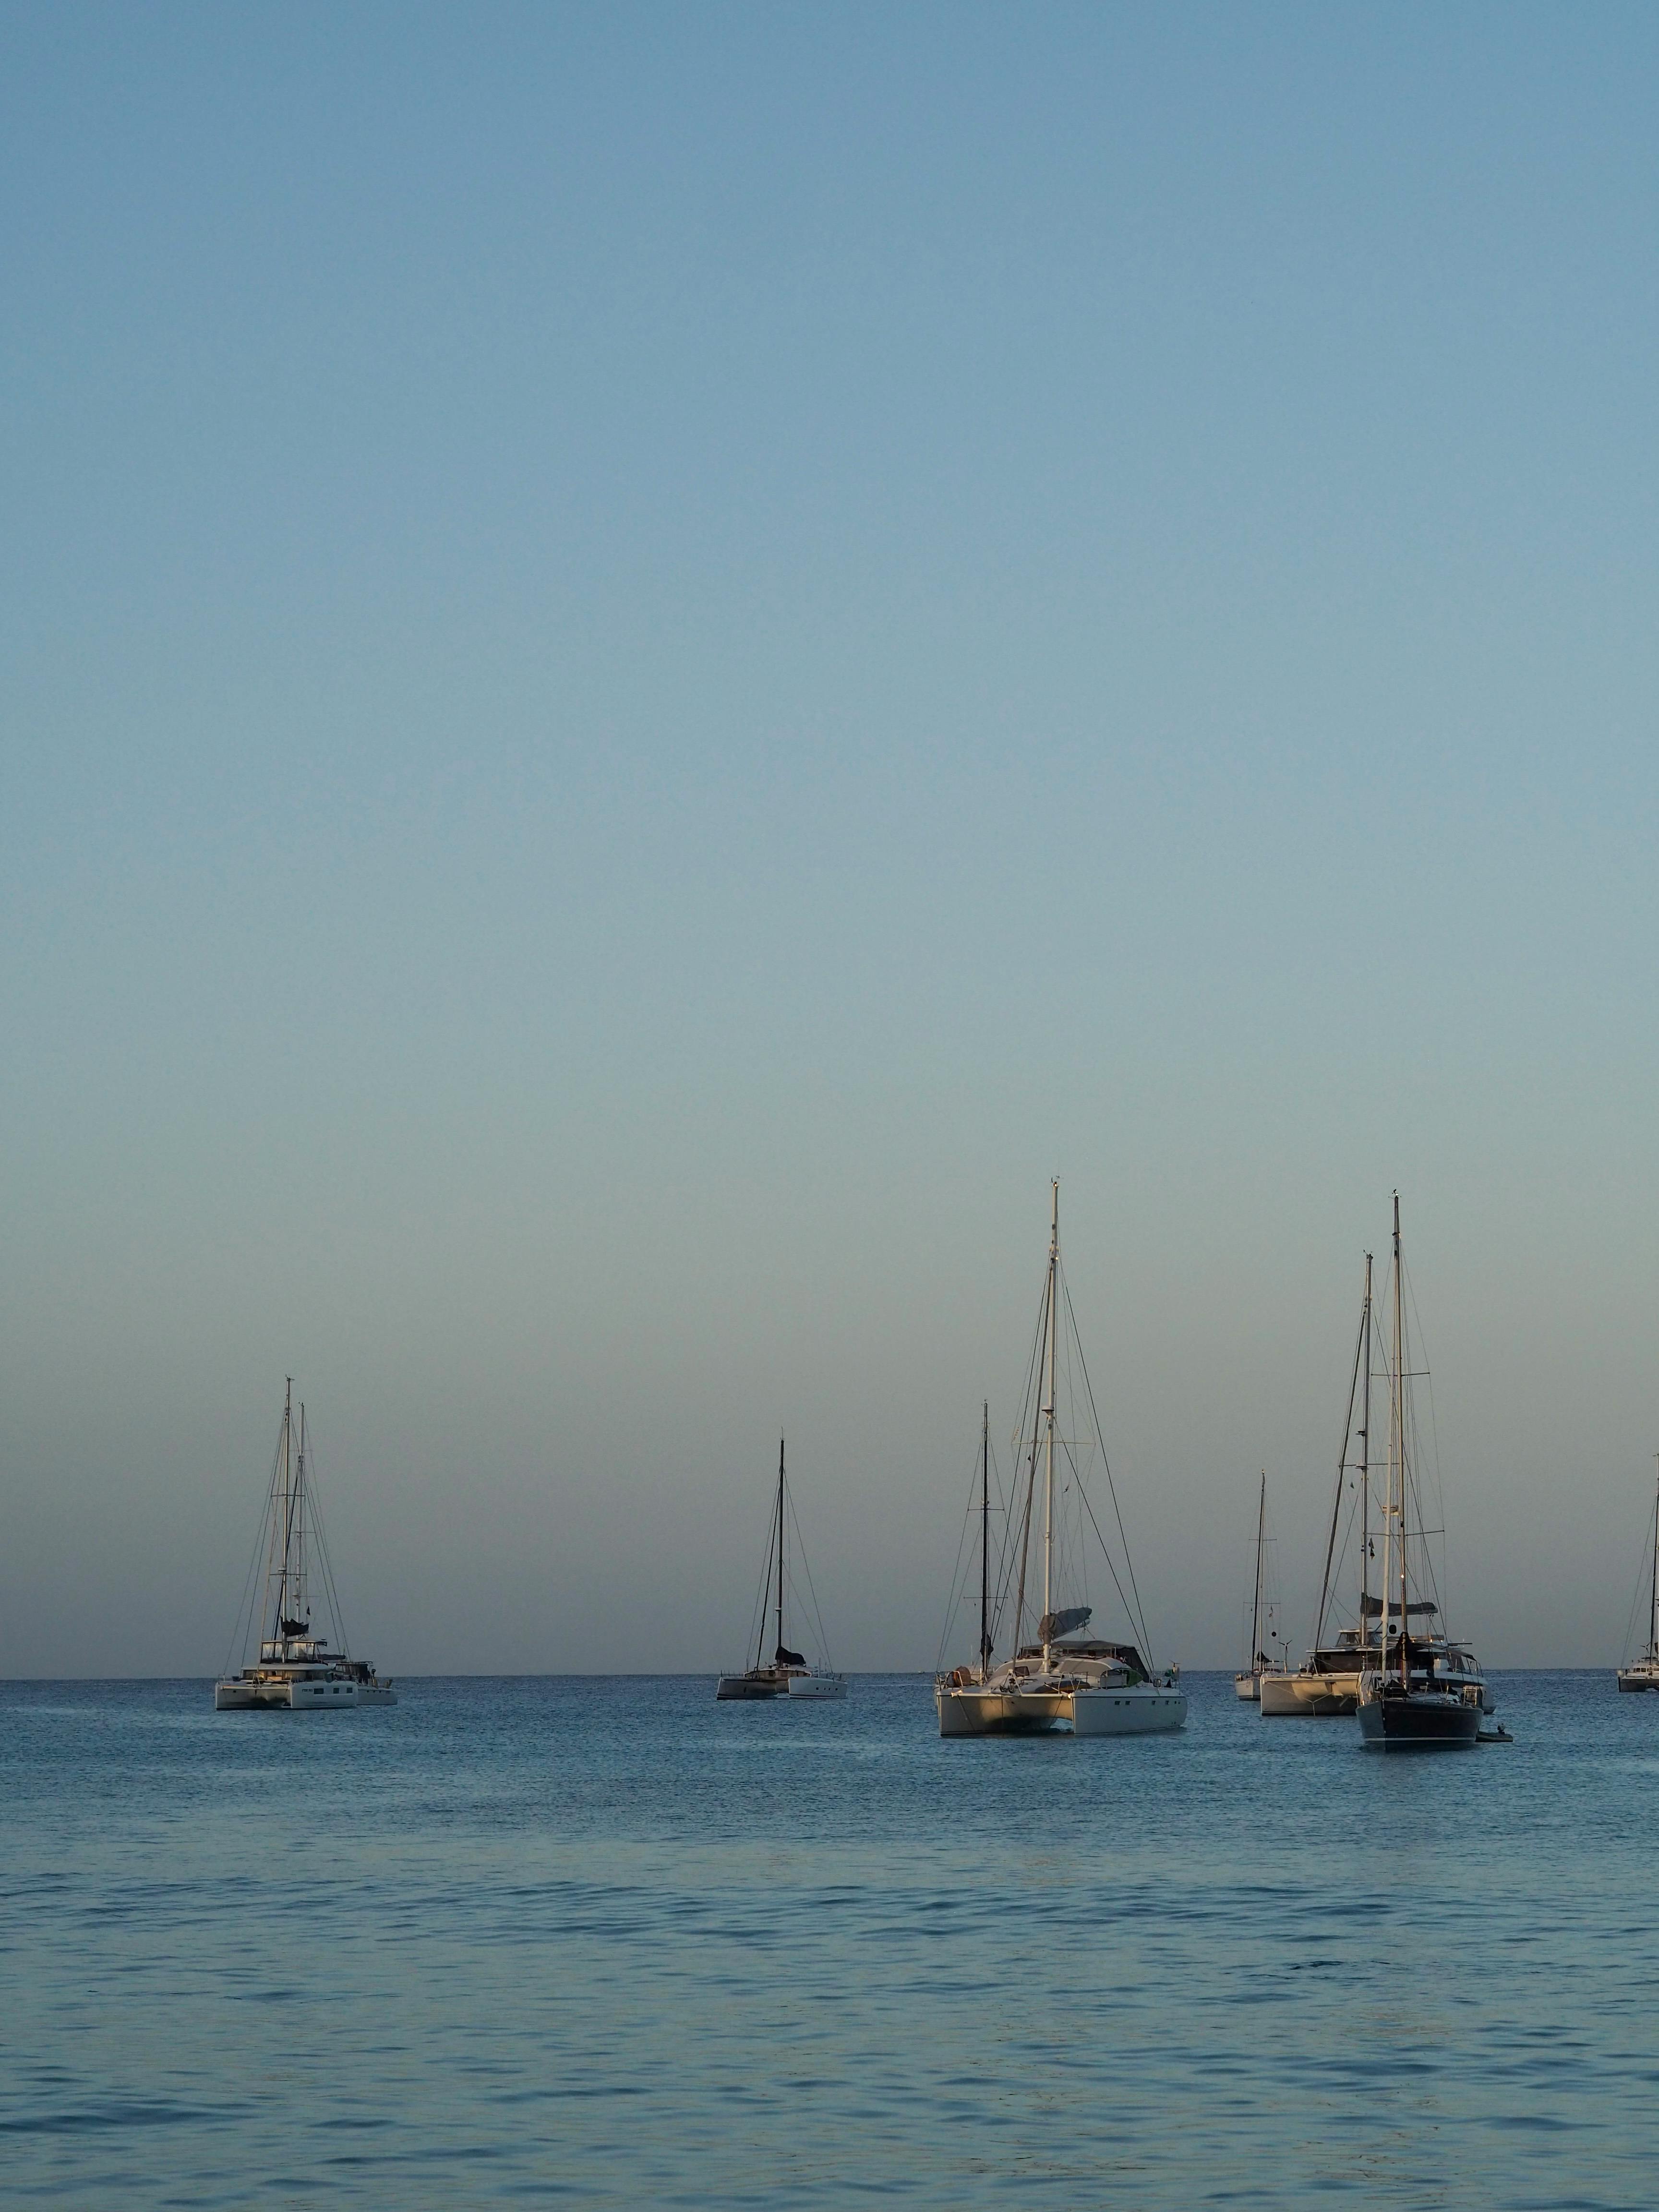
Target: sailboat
[[1326, 1684], [1247, 1683], [296, 1669], [1422, 1693], [1642, 1673], [1062, 1681], [786, 1674]]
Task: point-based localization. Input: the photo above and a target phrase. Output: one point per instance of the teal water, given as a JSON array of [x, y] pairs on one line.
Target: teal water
[[606, 1943]]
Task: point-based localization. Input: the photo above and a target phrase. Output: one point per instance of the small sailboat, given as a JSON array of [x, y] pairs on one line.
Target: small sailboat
[[786, 1674], [1642, 1673], [1062, 1681], [1247, 1683], [297, 1669], [1423, 1694]]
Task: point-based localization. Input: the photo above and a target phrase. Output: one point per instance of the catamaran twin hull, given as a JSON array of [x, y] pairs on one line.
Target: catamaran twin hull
[[243, 1693], [1129, 1709], [780, 1682], [1309, 1695]]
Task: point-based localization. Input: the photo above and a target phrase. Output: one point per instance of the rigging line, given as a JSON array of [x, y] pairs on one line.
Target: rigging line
[[1341, 1470], [1027, 1410], [757, 1618], [806, 1565], [1128, 1562], [956, 1572], [246, 1606], [1643, 1573], [1434, 1431], [335, 1617]]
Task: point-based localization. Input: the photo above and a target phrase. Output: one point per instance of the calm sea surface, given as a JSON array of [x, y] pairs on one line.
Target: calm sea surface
[[607, 1943]]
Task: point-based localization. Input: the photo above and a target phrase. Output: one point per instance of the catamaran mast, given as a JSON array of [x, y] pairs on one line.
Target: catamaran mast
[[1049, 1479], [284, 1507], [1365, 1466], [780, 1551], [1400, 1436], [1256, 1610], [985, 1542], [1653, 1615]]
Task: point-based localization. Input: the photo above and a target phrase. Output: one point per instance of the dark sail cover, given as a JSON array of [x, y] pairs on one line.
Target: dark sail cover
[[783, 1656], [1370, 1607], [295, 1627], [1061, 1624]]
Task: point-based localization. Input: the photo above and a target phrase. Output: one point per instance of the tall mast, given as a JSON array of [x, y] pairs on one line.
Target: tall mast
[[1049, 1479], [779, 1545], [286, 1457], [1361, 1351], [1653, 1621], [1365, 1465], [1256, 1611], [985, 1542], [1400, 1434]]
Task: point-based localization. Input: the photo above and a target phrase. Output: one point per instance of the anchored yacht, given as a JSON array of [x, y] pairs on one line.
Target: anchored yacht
[[1061, 1681], [296, 1669], [786, 1674], [1416, 1692]]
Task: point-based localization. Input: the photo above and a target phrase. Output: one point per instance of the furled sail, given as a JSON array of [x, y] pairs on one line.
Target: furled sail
[[1053, 1625], [783, 1656], [1370, 1607]]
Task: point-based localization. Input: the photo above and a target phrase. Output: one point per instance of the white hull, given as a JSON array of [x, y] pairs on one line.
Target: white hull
[[327, 1695], [1128, 1709], [1308, 1696], [1137, 1709], [818, 1686], [1247, 1688]]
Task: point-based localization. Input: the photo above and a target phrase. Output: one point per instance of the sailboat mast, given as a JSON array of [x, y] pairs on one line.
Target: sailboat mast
[[1365, 1464], [1256, 1610], [1653, 1619], [1049, 1479], [287, 1458], [984, 1541], [302, 1608], [1400, 1437], [779, 1545]]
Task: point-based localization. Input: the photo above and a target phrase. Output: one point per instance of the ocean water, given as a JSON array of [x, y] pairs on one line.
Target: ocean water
[[604, 1942]]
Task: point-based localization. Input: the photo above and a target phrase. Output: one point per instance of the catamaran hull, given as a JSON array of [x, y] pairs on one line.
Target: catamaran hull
[[974, 1711], [1638, 1677], [1247, 1688], [1308, 1696], [1419, 1723], [1136, 1708], [1140, 1708], [320, 1697], [818, 1686], [746, 1687]]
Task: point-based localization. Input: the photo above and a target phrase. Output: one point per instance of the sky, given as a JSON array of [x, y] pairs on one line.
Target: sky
[[653, 661]]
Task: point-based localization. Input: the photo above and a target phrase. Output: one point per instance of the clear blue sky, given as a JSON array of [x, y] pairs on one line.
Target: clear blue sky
[[651, 661]]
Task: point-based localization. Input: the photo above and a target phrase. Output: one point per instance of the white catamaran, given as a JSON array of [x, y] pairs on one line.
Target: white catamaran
[[297, 1669], [786, 1674], [1642, 1673], [1063, 1680]]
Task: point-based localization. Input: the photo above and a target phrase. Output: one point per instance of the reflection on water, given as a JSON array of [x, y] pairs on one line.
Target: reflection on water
[[607, 1943]]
